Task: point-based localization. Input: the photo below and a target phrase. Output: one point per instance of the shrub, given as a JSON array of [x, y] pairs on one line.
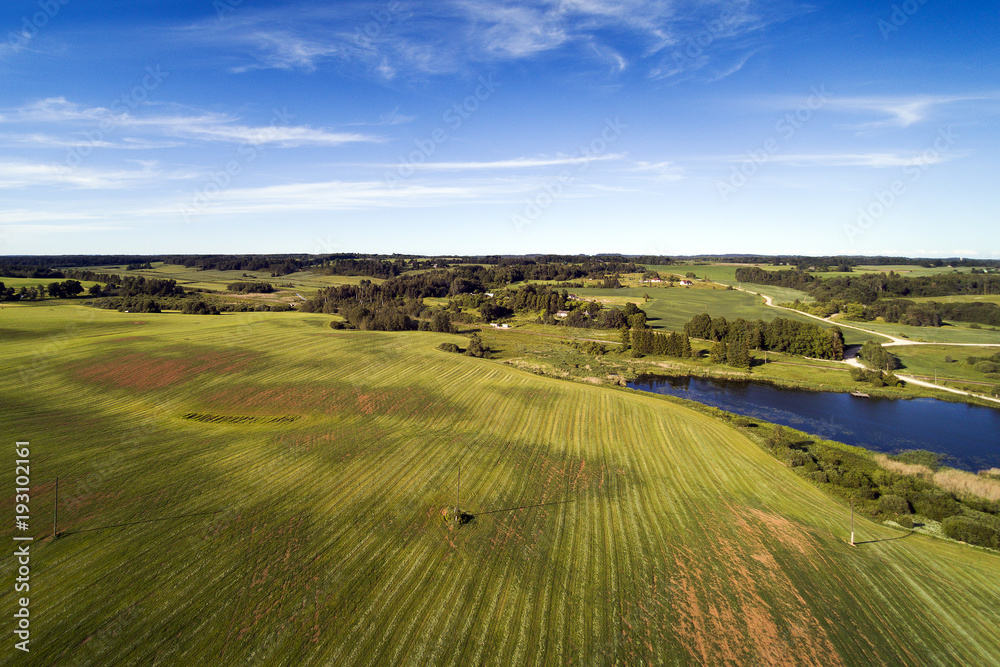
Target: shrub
[[796, 457], [449, 347], [935, 505], [894, 504], [969, 530], [906, 521], [819, 476]]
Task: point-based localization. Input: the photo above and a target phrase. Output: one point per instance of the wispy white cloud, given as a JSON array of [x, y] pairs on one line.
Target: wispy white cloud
[[515, 163], [674, 37], [202, 127], [879, 160], [659, 171], [17, 174], [900, 112]]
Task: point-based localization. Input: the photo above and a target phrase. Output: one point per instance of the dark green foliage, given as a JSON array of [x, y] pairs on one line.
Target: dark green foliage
[[65, 290], [967, 529], [251, 287], [875, 378], [441, 322], [936, 505], [893, 504], [779, 335], [450, 347], [878, 357], [199, 308], [477, 348]]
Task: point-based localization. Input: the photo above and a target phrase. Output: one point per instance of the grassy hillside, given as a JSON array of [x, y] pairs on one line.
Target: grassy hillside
[[260, 489]]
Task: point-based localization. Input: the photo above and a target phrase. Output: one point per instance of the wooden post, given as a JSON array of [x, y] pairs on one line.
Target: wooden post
[[55, 513], [458, 495], [852, 523]]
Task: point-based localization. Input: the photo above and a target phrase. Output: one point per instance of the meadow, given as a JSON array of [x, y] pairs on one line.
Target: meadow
[[298, 520], [670, 308]]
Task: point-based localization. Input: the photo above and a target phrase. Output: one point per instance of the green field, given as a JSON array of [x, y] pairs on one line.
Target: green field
[[211, 279], [671, 308], [928, 360], [958, 298], [295, 518], [954, 333], [909, 270], [18, 283]]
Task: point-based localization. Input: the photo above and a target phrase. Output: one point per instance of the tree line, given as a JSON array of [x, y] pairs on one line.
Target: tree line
[[779, 335]]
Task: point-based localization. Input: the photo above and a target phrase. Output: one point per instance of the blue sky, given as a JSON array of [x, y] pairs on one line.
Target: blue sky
[[468, 126]]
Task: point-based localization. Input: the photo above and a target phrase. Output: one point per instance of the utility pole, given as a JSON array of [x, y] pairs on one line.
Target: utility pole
[[852, 523], [55, 513], [458, 494]]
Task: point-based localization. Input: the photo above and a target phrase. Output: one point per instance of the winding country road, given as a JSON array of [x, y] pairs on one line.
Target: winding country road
[[853, 360]]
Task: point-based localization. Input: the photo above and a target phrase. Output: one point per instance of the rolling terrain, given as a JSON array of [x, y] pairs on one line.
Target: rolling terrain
[[260, 489]]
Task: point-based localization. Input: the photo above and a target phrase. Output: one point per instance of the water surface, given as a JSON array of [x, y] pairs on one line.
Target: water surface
[[967, 436]]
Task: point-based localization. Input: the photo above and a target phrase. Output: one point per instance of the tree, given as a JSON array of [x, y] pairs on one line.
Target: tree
[[718, 353], [625, 337], [441, 322], [738, 356], [477, 348]]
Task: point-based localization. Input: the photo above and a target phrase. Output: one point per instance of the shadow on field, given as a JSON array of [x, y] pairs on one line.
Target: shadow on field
[[136, 523], [887, 539], [524, 507]]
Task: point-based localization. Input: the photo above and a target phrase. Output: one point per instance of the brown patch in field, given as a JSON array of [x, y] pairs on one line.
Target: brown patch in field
[[141, 371], [738, 607]]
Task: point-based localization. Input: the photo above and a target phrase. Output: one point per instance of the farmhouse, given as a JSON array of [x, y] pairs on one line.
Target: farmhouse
[[686, 283], [562, 313]]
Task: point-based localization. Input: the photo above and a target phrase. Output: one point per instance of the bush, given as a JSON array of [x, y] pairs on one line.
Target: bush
[[987, 367], [796, 457], [894, 504], [449, 347], [906, 521], [969, 530], [819, 476], [936, 505]]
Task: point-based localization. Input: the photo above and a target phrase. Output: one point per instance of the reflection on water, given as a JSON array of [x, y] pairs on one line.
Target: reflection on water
[[967, 436]]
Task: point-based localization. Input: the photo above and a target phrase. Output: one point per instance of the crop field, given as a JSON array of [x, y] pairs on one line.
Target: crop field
[[953, 333], [928, 360], [211, 279], [258, 488], [959, 298]]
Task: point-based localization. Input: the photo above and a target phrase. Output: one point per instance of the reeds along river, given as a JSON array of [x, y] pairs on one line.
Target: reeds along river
[[967, 436]]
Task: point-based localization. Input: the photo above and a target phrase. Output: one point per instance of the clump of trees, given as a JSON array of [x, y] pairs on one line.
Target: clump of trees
[[476, 348], [193, 307], [261, 287], [779, 335], [878, 357], [645, 341], [876, 378]]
